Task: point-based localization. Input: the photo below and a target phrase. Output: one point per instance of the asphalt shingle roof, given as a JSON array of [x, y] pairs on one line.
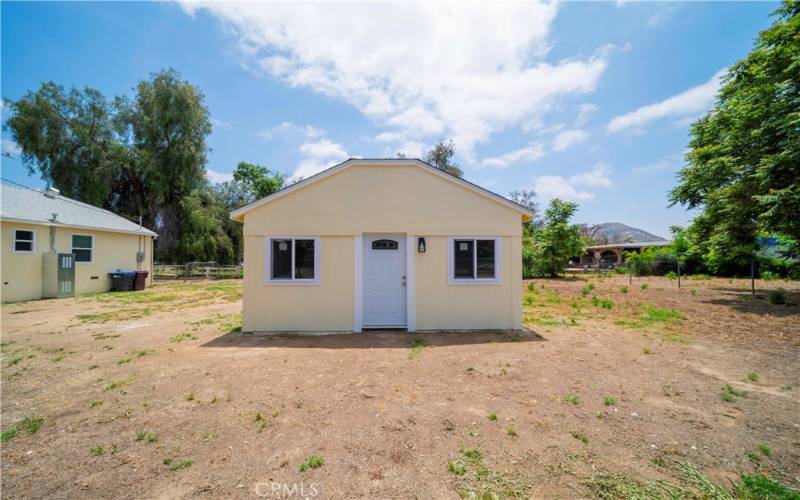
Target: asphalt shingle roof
[[30, 205]]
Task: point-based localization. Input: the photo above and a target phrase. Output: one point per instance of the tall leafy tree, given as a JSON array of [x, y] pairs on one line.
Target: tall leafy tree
[[556, 240], [743, 164], [166, 125], [68, 137], [257, 181], [441, 157]]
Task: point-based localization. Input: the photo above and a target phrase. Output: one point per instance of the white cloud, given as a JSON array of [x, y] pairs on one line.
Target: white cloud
[[289, 128], [597, 176], [689, 102], [662, 14], [217, 177], [555, 186], [221, 124], [527, 154], [585, 111], [389, 137], [669, 162], [11, 148], [317, 156], [464, 71], [569, 138]]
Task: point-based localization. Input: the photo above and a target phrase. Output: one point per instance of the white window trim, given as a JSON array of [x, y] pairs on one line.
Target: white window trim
[[14, 242], [72, 247], [498, 272], [290, 282]]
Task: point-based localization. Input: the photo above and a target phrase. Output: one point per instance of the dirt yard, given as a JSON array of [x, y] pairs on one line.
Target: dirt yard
[[616, 389]]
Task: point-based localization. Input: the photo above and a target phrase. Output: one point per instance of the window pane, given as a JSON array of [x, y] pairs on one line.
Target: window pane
[[485, 250], [79, 241], [24, 235], [384, 245], [23, 246], [463, 259], [304, 259], [281, 259], [82, 255]]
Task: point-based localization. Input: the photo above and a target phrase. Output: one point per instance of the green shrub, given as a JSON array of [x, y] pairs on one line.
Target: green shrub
[[777, 297], [312, 462], [671, 275]]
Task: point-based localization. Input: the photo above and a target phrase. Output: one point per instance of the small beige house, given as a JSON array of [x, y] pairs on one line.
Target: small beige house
[[382, 244], [53, 246]]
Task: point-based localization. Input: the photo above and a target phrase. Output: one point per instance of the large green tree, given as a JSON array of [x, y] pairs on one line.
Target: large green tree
[[140, 157], [743, 165], [68, 138], [555, 240]]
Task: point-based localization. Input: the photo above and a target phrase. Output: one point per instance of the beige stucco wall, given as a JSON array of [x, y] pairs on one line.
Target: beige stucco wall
[[326, 307], [22, 272], [402, 199]]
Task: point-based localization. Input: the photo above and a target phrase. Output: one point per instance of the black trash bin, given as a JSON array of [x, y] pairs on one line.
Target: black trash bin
[[122, 281], [140, 280]]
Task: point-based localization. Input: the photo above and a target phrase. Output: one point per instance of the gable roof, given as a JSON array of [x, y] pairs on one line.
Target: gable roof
[[526, 213], [22, 204]]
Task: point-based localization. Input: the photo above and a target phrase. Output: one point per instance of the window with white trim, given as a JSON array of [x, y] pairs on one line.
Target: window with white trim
[[83, 247], [474, 260], [293, 260], [24, 240]]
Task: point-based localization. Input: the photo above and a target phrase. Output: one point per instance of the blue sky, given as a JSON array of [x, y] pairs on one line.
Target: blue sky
[[586, 101]]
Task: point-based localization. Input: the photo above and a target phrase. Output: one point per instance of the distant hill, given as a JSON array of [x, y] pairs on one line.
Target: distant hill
[[616, 232]]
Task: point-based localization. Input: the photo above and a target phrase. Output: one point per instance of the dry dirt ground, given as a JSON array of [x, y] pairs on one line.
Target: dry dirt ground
[[611, 392]]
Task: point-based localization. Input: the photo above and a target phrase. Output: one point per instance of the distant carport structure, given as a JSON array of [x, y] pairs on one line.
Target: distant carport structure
[[611, 255]]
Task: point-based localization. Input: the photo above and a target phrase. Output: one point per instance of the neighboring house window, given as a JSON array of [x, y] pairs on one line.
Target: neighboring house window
[[293, 260], [83, 247], [24, 240], [474, 260]]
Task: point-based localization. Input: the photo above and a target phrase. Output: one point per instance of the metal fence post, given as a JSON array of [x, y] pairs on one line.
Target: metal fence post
[[679, 274]]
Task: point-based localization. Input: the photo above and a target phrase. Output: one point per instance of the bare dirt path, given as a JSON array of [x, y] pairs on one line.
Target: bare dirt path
[[158, 395]]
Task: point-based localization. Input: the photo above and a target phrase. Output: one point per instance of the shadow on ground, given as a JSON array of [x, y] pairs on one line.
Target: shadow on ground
[[372, 339], [743, 301]]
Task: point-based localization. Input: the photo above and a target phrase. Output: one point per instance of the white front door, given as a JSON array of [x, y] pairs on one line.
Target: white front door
[[384, 280]]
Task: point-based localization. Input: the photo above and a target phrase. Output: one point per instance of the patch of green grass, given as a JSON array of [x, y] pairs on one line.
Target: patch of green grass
[[759, 487], [30, 424], [124, 361], [511, 432], [189, 397], [476, 480], [8, 435], [492, 416], [609, 401], [571, 399], [182, 337], [532, 287], [765, 450], [121, 314], [96, 402], [643, 286], [645, 350], [98, 450], [312, 462], [528, 300], [146, 436], [752, 377], [182, 464], [417, 345], [786, 387], [166, 460], [624, 289], [580, 436], [729, 394], [753, 456], [116, 385], [587, 289], [652, 314], [602, 303]]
